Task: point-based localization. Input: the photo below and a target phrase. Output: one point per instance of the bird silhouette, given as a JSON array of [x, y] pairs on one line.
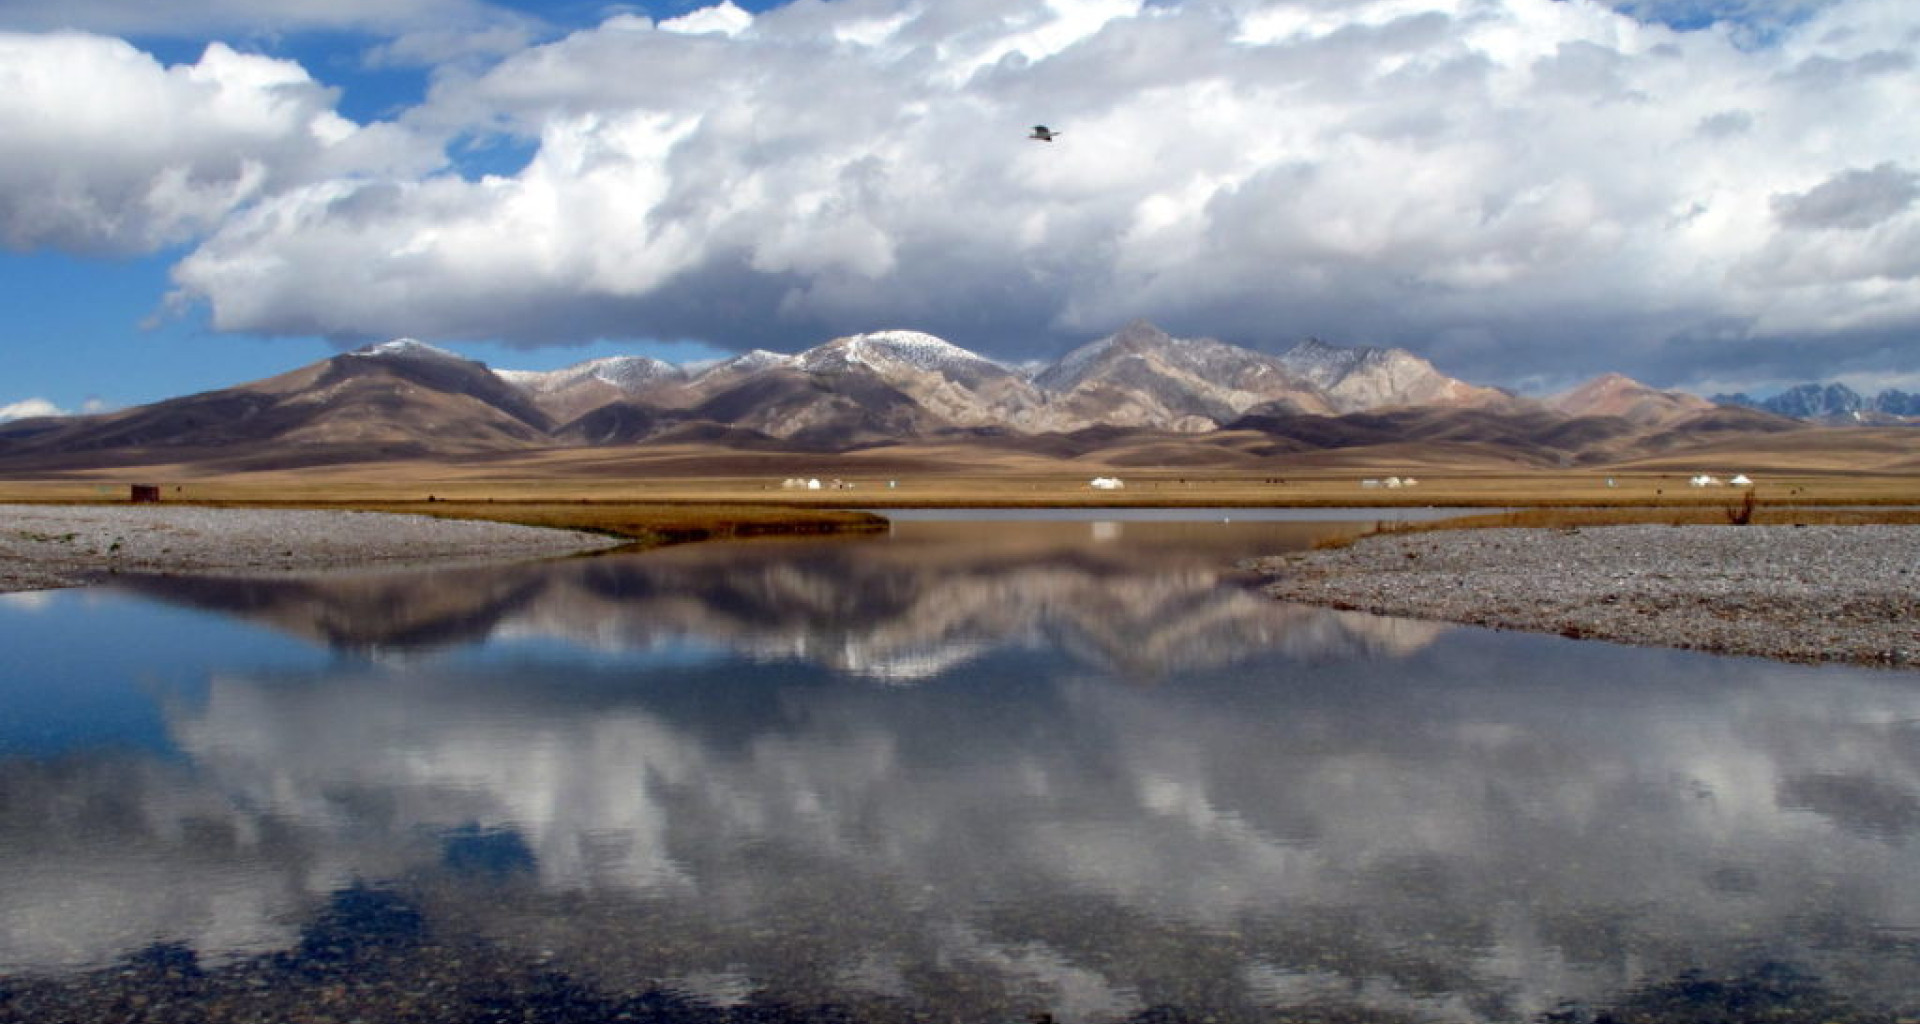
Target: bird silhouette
[[1043, 133]]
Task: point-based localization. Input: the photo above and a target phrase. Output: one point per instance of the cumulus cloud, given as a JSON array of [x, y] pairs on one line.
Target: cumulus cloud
[[110, 152], [1623, 186], [28, 409]]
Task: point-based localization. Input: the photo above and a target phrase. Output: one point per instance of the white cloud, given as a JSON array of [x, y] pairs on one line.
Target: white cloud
[[1553, 177], [724, 18], [28, 409], [110, 152]]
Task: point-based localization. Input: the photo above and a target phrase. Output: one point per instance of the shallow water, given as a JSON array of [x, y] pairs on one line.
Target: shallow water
[[972, 771]]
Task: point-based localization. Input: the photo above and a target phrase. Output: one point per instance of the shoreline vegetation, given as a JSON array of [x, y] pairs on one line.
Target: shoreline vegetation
[[650, 525]]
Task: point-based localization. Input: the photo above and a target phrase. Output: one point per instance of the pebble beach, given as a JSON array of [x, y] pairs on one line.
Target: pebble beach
[[1795, 593], [1807, 594], [49, 546]]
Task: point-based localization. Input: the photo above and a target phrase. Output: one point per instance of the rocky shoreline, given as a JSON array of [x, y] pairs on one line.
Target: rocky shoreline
[[1805, 594], [49, 546]]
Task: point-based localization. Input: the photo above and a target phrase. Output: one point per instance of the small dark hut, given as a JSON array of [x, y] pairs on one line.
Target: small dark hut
[[143, 494]]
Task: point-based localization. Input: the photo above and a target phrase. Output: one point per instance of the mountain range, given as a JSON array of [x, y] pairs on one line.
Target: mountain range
[[1136, 397], [1834, 403]]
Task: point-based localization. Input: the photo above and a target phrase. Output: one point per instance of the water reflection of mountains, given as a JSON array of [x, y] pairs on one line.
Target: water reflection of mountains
[[1480, 827], [896, 611], [1478, 839]]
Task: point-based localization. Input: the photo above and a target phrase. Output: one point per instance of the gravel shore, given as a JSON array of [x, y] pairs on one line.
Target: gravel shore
[[1810, 594], [1807, 594], [47, 546]]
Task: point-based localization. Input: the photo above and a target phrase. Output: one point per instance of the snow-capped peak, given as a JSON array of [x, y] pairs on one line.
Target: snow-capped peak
[[407, 348], [758, 359], [629, 371], [899, 348]]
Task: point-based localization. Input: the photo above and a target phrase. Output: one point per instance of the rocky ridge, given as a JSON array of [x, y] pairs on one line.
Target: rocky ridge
[[407, 399]]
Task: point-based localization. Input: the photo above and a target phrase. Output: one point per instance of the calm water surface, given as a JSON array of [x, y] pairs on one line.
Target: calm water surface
[[974, 771]]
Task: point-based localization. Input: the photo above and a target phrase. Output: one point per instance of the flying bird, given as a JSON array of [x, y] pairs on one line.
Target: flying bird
[[1043, 133]]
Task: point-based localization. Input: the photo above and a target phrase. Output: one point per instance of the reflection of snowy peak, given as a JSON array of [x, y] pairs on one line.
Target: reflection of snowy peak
[[904, 620]]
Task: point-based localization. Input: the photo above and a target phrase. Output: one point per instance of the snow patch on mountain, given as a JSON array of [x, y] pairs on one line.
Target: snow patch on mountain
[[628, 373], [409, 349], [881, 350], [1321, 364], [758, 359]]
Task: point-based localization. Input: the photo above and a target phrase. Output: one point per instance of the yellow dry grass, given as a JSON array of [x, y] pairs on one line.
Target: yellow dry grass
[[1061, 486], [649, 523], [694, 493]]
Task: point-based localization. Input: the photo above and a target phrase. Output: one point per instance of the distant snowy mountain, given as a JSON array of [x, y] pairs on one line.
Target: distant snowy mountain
[[897, 351], [746, 363], [407, 349], [408, 399], [628, 373], [954, 385], [1834, 403], [573, 391]]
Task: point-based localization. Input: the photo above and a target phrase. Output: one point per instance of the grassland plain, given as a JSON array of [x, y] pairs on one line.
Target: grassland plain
[[877, 481]]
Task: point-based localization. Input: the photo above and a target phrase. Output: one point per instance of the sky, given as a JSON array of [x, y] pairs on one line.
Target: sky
[[1711, 195]]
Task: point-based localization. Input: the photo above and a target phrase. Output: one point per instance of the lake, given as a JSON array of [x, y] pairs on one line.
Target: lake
[[996, 769]]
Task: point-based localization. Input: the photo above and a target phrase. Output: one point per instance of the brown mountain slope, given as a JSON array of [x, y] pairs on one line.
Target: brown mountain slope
[[1367, 378], [1615, 395], [1138, 398], [1142, 377], [374, 404]]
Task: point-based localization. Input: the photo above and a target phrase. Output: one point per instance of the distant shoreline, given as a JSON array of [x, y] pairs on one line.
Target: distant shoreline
[[1812, 594]]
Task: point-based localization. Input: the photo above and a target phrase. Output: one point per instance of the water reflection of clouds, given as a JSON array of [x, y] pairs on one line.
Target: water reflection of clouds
[[1536, 839], [1293, 807], [108, 855], [26, 601], [577, 786]]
